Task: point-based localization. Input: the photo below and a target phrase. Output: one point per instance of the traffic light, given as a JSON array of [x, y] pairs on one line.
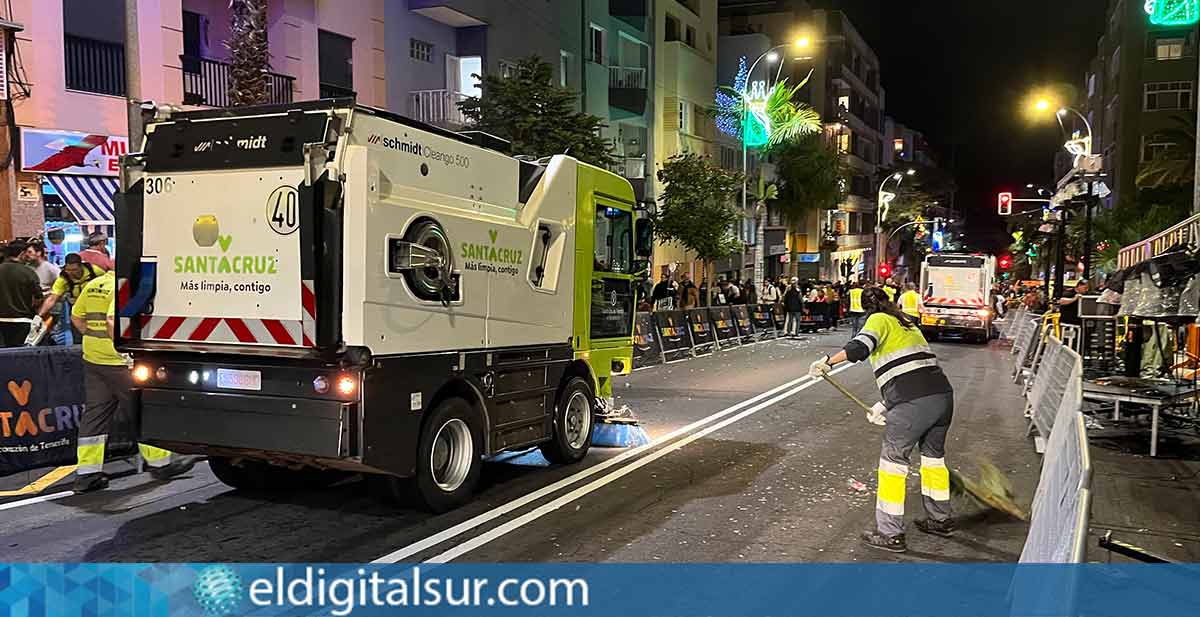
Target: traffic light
[[1005, 262], [1005, 204], [885, 271]]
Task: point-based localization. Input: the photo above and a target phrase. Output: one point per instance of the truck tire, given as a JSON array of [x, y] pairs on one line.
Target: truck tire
[[261, 477], [571, 433], [449, 457]]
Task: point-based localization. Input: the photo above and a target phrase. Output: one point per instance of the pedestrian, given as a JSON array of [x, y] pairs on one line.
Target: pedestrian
[[889, 287], [96, 252], [770, 294], [665, 293], [833, 306], [857, 312], [910, 301], [749, 292], [73, 277], [108, 387], [35, 257], [917, 407], [1068, 305], [20, 296], [793, 305]]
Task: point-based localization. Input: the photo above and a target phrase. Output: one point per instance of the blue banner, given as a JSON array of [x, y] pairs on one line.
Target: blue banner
[[599, 590]]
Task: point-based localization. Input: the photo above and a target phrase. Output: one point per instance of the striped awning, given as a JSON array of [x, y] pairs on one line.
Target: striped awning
[[89, 198]]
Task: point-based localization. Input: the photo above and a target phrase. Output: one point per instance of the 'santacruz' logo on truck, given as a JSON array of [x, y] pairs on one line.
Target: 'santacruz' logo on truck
[[490, 258]]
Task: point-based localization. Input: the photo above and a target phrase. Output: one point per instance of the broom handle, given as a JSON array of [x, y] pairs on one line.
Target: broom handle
[[844, 391]]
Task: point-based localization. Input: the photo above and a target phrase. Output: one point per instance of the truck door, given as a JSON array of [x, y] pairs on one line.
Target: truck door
[[612, 282]]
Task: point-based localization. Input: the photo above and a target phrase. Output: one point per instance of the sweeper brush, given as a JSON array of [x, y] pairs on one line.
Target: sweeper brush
[[993, 489], [618, 428]]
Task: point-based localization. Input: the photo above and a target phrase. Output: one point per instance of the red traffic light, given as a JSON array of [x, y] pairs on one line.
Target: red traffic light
[[885, 270], [1005, 262], [1005, 204]]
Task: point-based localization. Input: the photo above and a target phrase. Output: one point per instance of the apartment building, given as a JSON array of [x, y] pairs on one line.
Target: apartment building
[[1139, 91], [685, 81], [846, 90], [70, 89]]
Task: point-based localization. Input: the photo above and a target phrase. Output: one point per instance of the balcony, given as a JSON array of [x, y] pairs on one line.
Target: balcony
[[437, 107], [630, 167], [206, 82], [627, 88], [632, 12], [94, 66]]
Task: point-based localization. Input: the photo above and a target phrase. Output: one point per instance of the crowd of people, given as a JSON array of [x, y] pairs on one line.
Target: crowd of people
[[806, 305], [33, 289]]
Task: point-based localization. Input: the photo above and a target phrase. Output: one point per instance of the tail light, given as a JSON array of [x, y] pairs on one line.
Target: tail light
[[983, 313], [347, 385], [141, 373]]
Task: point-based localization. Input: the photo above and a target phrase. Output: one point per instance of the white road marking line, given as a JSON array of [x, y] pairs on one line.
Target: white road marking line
[[598, 483], [465, 526], [32, 500]]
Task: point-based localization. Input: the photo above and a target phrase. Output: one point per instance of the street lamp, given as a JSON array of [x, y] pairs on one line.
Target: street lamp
[[1082, 148], [771, 56]]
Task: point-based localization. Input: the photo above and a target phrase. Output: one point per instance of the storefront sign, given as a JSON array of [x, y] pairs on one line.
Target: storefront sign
[[27, 191], [809, 258], [69, 152]]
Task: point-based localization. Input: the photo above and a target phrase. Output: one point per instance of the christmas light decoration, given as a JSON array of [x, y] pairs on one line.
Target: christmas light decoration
[[1173, 12]]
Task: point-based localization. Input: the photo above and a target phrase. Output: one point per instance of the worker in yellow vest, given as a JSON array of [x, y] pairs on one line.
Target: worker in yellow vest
[[910, 301], [857, 314], [107, 384], [889, 287]]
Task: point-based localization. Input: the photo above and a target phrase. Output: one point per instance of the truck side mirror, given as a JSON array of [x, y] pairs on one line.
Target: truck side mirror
[[644, 238]]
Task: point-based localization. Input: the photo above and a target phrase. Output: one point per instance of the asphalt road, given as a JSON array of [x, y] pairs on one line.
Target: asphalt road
[[752, 462]]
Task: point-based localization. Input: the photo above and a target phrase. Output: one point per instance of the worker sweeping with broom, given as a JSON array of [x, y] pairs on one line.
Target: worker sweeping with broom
[[917, 407]]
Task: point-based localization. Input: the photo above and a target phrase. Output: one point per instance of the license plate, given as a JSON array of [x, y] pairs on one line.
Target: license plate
[[239, 380]]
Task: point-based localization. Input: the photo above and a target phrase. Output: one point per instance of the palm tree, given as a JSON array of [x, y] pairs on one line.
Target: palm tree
[[251, 56], [789, 120]]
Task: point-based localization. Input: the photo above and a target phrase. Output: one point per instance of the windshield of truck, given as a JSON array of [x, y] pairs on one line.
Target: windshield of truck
[[614, 240]]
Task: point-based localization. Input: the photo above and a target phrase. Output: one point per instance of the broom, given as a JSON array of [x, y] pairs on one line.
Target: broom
[[993, 489]]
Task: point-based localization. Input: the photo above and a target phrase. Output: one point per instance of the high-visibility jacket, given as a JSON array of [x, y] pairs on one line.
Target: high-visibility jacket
[[856, 300], [910, 302], [95, 305], [890, 291], [905, 368]]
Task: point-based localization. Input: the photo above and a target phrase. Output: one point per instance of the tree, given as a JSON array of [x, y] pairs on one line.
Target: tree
[[1175, 166], [536, 116], [251, 56], [811, 175], [696, 209]]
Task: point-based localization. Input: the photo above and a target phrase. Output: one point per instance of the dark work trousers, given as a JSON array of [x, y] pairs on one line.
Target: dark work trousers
[[924, 422], [13, 334]]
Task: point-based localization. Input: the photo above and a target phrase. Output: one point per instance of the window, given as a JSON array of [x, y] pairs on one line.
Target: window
[[1114, 64], [566, 60], [335, 64], [614, 240], [94, 46], [420, 50], [1169, 49], [1166, 95], [508, 68], [844, 102], [898, 145], [843, 142], [729, 158], [596, 44], [690, 37], [672, 28], [685, 117], [1154, 149]]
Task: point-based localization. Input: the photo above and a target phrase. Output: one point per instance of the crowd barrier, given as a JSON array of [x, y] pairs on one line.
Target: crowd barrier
[[43, 401], [1062, 503], [668, 336], [1009, 324]]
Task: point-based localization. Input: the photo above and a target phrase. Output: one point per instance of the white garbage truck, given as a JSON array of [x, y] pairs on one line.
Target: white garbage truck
[[321, 287], [957, 295]]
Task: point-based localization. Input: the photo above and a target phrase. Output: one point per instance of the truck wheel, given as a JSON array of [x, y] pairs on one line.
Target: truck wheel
[[261, 477], [571, 435], [449, 456]]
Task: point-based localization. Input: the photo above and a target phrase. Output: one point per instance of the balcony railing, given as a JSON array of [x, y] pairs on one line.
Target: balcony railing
[[632, 77], [94, 66], [206, 82], [437, 107], [630, 167]]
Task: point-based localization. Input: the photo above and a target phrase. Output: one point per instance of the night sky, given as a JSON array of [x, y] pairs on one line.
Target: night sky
[[959, 70]]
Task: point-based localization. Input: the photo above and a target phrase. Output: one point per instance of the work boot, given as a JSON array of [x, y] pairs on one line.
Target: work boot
[[894, 544], [177, 467], [944, 528], [90, 482]]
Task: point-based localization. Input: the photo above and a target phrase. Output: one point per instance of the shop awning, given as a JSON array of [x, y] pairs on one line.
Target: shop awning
[[89, 198]]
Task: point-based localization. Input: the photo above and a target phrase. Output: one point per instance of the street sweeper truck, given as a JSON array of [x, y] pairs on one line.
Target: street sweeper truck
[[320, 287], [957, 295]]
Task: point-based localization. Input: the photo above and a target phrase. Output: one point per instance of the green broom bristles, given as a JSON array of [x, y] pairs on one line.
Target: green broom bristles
[[992, 491]]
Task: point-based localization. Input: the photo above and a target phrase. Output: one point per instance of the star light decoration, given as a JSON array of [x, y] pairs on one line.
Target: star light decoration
[[1173, 12], [757, 129]]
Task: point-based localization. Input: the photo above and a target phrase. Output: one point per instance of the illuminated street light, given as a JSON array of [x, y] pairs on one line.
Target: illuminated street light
[[772, 57], [803, 42], [1042, 105]]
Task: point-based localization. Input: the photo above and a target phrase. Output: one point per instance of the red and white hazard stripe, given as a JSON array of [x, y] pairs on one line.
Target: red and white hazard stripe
[[975, 302], [290, 333]]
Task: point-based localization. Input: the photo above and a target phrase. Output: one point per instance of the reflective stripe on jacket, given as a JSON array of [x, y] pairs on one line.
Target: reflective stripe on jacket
[[905, 368]]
